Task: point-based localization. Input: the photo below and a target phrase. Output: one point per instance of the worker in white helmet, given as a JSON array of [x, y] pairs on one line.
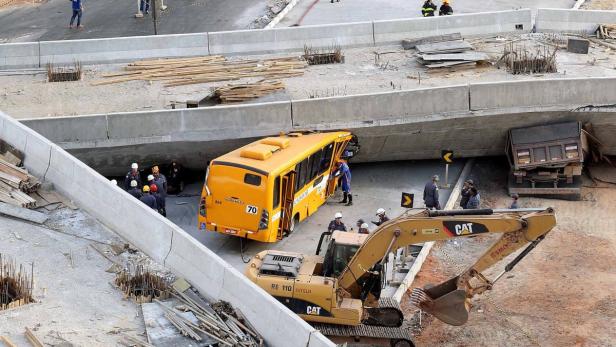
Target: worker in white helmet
[[380, 214], [363, 229], [337, 223], [133, 174]]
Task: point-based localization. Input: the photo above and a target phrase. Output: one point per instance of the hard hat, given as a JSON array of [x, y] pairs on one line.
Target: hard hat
[[515, 196], [435, 177], [380, 211], [150, 177], [133, 183], [338, 215], [446, 2], [146, 189], [153, 188], [134, 166], [114, 182], [364, 226], [155, 170]]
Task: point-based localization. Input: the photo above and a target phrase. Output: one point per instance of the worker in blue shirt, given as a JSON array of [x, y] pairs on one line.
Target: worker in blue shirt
[[345, 182], [77, 13]]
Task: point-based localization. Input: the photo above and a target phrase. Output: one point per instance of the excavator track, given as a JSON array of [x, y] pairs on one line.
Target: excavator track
[[366, 334], [387, 314]]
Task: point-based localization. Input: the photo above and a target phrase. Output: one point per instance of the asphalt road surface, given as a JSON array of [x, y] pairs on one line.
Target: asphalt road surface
[[373, 185], [115, 18]]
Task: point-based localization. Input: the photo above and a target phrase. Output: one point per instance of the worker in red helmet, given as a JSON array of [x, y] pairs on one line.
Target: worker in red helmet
[[148, 199], [160, 199]]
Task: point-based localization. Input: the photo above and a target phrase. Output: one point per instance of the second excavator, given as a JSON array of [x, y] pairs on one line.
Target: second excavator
[[339, 293]]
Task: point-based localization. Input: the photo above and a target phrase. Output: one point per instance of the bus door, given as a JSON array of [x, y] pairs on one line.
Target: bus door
[[287, 189], [338, 150]]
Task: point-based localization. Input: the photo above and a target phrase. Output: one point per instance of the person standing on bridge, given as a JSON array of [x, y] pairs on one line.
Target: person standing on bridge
[[428, 9], [446, 9], [77, 12], [345, 178], [133, 174], [430, 195]]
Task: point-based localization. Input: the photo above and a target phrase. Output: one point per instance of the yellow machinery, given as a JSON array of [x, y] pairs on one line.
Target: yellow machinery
[[339, 293]]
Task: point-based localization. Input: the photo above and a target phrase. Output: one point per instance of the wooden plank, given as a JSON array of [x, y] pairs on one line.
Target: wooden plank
[[22, 213], [7, 342], [161, 332], [33, 339], [412, 43]]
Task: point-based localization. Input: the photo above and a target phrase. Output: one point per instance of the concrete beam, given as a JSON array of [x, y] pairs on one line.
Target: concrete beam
[[19, 55], [572, 21]]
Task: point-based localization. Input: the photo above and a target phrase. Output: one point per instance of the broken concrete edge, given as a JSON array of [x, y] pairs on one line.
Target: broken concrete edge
[[427, 247], [281, 15], [157, 237], [572, 21], [22, 213]]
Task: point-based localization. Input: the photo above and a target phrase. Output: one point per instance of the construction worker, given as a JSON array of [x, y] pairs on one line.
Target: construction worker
[[445, 9], [380, 213], [363, 229], [337, 224], [430, 195], [149, 199], [160, 180], [345, 178], [465, 193], [176, 179], [359, 223], [428, 9], [474, 200], [134, 190], [160, 200], [514, 202], [133, 174]]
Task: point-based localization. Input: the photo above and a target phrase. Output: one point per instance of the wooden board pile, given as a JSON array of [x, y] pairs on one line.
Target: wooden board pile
[[448, 54], [205, 69], [15, 183], [606, 31], [244, 92]]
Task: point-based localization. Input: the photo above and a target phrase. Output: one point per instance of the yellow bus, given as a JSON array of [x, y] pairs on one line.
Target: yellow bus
[[262, 190]]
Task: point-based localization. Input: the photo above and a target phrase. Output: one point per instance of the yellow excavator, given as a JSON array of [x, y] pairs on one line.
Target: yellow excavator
[[339, 293]]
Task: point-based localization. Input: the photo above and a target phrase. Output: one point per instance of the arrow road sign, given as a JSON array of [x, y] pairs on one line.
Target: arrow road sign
[[407, 200], [447, 156]]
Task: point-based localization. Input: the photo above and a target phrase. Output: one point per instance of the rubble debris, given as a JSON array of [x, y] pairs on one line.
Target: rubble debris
[[22, 213], [331, 55], [133, 341], [520, 60], [606, 31], [34, 341], [577, 45], [412, 43], [64, 73], [457, 46], [244, 92], [15, 284], [215, 68], [142, 285], [449, 54]]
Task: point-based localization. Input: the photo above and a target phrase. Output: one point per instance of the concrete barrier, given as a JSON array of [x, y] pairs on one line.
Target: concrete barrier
[[84, 129], [19, 55], [123, 49], [290, 39], [166, 243], [573, 92], [369, 109], [572, 21], [394, 31]]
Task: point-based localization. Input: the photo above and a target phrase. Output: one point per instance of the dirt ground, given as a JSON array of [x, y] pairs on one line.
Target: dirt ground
[[28, 96], [561, 294], [599, 5]]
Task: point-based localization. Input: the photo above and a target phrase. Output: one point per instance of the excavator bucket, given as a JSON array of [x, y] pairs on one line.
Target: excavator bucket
[[445, 301]]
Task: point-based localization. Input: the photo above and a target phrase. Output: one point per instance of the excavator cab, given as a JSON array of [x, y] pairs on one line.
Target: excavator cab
[[340, 247]]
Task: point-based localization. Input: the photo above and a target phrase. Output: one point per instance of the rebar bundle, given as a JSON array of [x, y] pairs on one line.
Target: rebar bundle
[[520, 60], [64, 73], [15, 284], [330, 55], [141, 285]]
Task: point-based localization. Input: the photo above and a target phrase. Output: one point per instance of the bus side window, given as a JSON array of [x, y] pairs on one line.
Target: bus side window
[[302, 174], [298, 176], [276, 196], [326, 159], [315, 160]]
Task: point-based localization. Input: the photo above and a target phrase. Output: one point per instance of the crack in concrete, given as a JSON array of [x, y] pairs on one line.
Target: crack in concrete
[[169, 252]]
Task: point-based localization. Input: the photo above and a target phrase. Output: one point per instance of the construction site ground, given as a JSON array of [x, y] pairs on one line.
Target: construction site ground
[[76, 301], [561, 294], [599, 5], [31, 96]]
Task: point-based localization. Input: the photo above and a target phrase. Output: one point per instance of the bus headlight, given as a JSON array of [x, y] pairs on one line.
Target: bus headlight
[[264, 222]]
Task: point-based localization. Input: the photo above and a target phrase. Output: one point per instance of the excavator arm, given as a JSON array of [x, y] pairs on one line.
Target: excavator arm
[[449, 301]]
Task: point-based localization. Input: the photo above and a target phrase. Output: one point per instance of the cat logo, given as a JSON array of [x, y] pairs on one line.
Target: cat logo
[[313, 310], [464, 228]]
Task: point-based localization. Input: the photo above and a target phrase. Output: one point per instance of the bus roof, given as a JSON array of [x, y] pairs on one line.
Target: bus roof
[[297, 148]]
